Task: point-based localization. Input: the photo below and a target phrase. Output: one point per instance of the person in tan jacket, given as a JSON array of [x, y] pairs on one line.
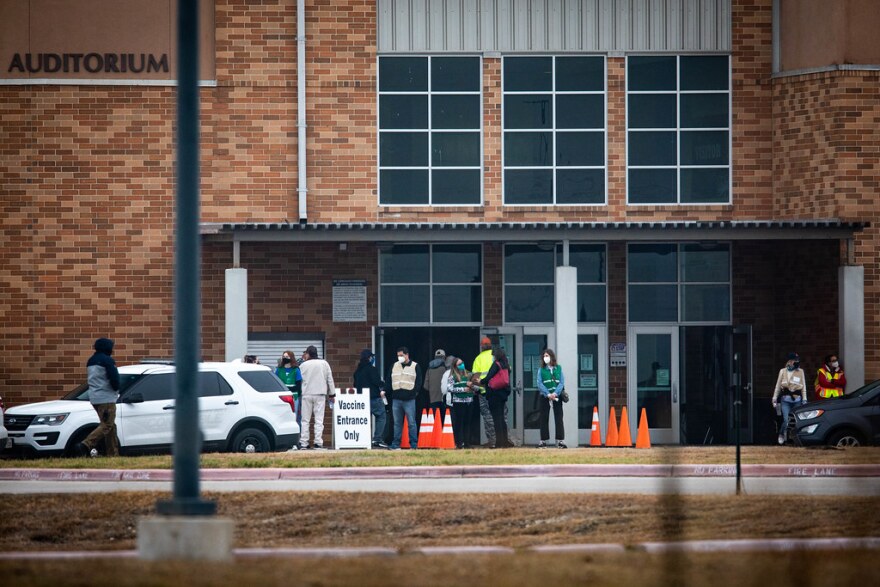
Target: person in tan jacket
[[790, 391]]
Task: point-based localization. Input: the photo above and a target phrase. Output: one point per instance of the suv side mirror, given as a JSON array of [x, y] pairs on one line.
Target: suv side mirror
[[133, 398]]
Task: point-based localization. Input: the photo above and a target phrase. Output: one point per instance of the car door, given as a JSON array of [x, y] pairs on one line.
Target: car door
[[220, 406], [149, 422]]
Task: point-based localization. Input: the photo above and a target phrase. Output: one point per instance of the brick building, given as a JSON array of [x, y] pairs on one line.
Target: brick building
[[664, 191]]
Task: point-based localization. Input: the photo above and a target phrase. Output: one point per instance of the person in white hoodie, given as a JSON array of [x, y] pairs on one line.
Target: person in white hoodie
[[317, 386]]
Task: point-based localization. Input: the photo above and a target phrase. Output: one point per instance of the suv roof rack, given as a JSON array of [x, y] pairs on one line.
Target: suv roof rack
[[149, 361]]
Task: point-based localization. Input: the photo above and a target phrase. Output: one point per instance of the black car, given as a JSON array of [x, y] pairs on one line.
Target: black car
[[852, 420]]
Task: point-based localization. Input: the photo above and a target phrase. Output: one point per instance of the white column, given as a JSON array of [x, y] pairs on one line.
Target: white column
[[236, 313], [566, 347], [851, 324]]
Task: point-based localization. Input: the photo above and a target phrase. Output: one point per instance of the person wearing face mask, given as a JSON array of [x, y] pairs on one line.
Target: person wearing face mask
[[551, 384], [457, 383], [830, 380], [366, 376], [790, 391], [406, 381], [317, 389], [288, 372]]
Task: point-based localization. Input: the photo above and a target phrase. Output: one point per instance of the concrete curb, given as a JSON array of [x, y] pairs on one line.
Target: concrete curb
[[494, 471], [692, 546]]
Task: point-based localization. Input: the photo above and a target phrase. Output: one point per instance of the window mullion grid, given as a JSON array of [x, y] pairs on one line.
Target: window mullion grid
[[430, 146], [430, 282], [678, 138], [553, 131]]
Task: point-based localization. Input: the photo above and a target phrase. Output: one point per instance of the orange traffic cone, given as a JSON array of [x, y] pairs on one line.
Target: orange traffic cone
[[404, 436], [643, 440], [438, 429], [611, 437], [624, 438], [448, 439], [596, 434], [426, 429]]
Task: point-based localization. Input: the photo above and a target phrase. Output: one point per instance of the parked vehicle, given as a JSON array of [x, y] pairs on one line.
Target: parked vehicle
[[852, 420], [242, 408], [4, 435]]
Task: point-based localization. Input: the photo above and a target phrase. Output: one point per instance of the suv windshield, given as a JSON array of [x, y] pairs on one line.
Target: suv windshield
[[81, 391], [863, 390], [264, 381]]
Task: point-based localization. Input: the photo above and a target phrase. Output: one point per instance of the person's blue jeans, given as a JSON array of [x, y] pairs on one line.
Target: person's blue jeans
[[399, 409], [377, 408], [787, 404]]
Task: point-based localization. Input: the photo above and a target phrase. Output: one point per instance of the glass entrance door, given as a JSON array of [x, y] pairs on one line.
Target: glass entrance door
[[652, 381], [591, 382], [741, 358], [535, 340]]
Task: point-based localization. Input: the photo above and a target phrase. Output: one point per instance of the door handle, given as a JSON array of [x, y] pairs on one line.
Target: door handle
[[231, 403], [674, 393], [168, 408]]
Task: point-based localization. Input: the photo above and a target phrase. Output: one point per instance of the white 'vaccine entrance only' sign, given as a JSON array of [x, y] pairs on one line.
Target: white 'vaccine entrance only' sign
[[351, 419]]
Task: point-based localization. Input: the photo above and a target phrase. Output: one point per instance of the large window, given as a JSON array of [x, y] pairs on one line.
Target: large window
[[554, 130], [431, 284], [530, 277], [430, 150], [678, 129], [683, 283]]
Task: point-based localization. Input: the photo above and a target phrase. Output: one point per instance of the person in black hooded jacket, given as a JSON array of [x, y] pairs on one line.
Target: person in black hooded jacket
[[103, 378], [367, 376]]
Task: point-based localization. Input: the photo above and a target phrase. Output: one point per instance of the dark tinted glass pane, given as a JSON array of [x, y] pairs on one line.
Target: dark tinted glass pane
[[591, 303], [406, 112], [262, 381], [405, 303], [650, 73], [528, 303], [704, 110], [705, 263], [457, 264], [651, 111], [404, 264], [580, 186], [653, 303], [403, 149], [455, 186], [528, 149], [455, 74], [528, 111], [705, 186], [528, 186], [651, 186], [580, 148], [458, 303], [590, 262], [455, 111], [585, 74], [524, 74], [208, 384], [704, 72], [403, 186], [528, 264], [653, 262], [403, 74], [651, 148], [156, 387], [705, 303], [455, 149], [709, 147], [580, 111]]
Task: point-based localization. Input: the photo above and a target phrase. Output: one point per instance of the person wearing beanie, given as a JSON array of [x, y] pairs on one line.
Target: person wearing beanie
[[366, 376], [482, 364], [103, 379], [434, 379]]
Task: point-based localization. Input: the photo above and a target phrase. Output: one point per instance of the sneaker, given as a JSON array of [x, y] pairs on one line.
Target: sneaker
[[319, 447], [381, 444], [294, 448], [560, 444], [393, 448], [542, 444], [781, 439], [305, 447], [93, 453]]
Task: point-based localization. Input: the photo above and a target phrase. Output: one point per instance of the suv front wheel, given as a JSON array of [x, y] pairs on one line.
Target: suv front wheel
[[250, 440]]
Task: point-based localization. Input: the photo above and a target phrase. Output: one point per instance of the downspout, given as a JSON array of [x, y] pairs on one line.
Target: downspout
[[301, 189], [776, 28]]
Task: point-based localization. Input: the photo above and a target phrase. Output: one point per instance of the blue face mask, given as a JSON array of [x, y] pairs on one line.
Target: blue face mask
[[461, 366], [373, 361], [790, 367]]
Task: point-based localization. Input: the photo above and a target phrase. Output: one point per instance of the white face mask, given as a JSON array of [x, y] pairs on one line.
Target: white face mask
[[835, 364], [546, 360], [401, 359]]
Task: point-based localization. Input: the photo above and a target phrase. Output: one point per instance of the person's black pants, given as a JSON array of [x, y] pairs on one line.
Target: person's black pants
[[557, 418], [461, 423]]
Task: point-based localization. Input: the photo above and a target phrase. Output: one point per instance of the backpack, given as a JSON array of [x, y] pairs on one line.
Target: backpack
[[500, 380]]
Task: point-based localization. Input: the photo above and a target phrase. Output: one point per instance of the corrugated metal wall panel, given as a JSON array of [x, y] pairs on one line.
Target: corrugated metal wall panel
[[553, 25]]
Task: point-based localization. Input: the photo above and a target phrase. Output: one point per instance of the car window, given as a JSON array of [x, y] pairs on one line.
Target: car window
[[212, 383], [866, 389], [156, 387], [263, 381], [81, 392]]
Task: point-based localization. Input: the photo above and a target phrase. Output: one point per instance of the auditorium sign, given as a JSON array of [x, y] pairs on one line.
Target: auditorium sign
[[48, 41]]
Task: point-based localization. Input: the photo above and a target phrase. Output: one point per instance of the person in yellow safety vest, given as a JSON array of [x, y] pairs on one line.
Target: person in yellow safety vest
[[482, 364], [406, 381], [830, 380]]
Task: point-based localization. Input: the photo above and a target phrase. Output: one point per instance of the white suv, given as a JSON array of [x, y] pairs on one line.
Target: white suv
[[242, 408], [4, 436]]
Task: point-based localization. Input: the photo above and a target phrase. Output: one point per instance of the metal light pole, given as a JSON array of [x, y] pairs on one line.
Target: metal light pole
[[737, 407], [187, 439]]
